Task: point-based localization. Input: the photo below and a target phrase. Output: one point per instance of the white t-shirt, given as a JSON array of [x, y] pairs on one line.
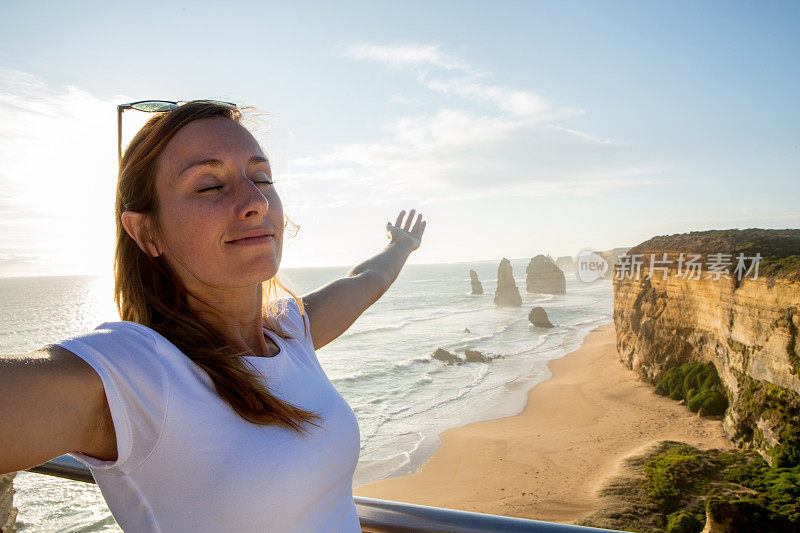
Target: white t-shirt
[[188, 462]]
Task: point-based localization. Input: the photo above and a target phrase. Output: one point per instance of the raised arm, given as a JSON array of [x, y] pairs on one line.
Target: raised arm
[[333, 308], [52, 403]]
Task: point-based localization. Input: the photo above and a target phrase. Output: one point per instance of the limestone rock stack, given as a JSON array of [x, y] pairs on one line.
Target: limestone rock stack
[[477, 288], [538, 318], [566, 263], [507, 294], [545, 277]]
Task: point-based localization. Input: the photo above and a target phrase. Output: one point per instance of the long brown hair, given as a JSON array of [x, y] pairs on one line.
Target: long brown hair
[[148, 292]]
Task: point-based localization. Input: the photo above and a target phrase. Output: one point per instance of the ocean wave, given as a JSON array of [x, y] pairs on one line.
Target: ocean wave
[[410, 362], [408, 320], [479, 375]]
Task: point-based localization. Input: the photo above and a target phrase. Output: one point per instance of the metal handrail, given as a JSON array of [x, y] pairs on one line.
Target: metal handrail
[[378, 516]]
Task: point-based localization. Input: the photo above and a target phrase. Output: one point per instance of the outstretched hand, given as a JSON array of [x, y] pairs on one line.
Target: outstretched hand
[[399, 234]]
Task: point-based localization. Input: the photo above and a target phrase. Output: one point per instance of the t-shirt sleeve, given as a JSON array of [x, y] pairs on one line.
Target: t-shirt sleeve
[[293, 321], [301, 330], [136, 384]]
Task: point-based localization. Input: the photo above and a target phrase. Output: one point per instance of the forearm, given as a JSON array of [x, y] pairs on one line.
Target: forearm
[[387, 265]]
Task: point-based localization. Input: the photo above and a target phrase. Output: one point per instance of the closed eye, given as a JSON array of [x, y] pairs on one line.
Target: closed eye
[[221, 186], [210, 188]]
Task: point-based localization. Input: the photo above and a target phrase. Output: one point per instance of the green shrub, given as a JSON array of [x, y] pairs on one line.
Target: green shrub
[[670, 476], [670, 382], [750, 513], [698, 384], [684, 521], [711, 399], [694, 376], [682, 483], [787, 453], [715, 401], [749, 473], [691, 392], [694, 402], [779, 488]]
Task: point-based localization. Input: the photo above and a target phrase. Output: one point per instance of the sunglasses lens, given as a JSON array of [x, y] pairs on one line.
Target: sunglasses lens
[[154, 106], [229, 104]]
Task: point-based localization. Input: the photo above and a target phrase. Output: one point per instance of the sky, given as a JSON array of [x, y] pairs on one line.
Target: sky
[[515, 128]]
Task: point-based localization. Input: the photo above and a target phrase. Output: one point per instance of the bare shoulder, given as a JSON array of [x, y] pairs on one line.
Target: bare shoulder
[[85, 390], [53, 403], [64, 365]]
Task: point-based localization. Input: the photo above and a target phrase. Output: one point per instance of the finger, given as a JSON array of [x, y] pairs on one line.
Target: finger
[[399, 218], [408, 221], [422, 228], [418, 223]]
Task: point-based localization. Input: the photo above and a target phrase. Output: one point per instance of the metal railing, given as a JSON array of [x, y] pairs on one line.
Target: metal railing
[[379, 516]]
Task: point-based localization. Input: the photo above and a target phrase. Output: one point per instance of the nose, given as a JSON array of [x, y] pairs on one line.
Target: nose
[[251, 200]]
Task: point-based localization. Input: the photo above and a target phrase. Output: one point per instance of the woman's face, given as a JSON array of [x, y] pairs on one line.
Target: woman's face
[[204, 208]]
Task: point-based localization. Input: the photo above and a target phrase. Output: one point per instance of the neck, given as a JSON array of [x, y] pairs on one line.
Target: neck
[[237, 314]]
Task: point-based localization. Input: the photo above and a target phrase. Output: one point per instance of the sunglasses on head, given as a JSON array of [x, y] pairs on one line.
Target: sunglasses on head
[[151, 106]]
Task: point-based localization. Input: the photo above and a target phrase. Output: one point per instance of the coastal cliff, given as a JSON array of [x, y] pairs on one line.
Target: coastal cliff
[[743, 321], [8, 513]]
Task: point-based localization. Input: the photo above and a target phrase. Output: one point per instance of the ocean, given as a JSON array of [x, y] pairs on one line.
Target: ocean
[[382, 366]]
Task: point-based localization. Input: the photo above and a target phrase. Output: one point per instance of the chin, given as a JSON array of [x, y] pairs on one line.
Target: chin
[[268, 271]]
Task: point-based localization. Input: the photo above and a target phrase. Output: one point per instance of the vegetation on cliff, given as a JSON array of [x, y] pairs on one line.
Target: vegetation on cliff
[[779, 249], [696, 383], [676, 487], [780, 407]]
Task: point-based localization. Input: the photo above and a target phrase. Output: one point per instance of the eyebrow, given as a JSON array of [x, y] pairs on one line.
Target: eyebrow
[[217, 163]]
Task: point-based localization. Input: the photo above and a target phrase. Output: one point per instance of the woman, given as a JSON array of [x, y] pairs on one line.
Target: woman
[[205, 408]]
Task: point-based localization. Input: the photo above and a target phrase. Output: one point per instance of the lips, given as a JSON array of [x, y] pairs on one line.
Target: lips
[[252, 234]]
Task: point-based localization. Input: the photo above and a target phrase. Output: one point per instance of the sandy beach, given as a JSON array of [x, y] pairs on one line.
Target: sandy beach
[[548, 462]]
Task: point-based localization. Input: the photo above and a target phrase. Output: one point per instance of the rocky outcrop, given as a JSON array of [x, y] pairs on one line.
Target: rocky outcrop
[[612, 258], [474, 356], [507, 294], [745, 324], [538, 318], [8, 513], [566, 263], [477, 288], [440, 354], [470, 356], [544, 276]]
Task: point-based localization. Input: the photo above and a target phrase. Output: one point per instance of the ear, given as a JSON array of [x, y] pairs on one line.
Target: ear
[[138, 227]]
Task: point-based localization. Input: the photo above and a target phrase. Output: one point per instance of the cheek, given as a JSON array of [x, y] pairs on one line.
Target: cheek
[[191, 231], [275, 208]]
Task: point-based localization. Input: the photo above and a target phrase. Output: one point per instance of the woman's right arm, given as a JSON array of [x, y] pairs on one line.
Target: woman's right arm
[[51, 403]]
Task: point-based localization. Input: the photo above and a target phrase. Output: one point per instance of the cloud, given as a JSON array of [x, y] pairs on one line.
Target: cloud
[[467, 85], [17, 259], [514, 101], [455, 154], [403, 100], [57, 170], [453, 150], [514, 147], [412, 55]]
